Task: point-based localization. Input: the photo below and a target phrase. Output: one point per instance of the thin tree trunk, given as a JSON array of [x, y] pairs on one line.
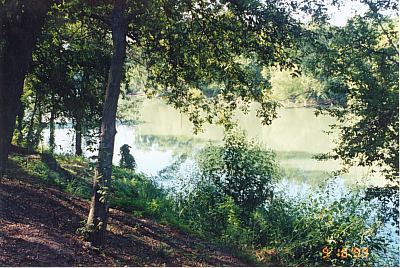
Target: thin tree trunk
[[20, 24], [39, 129], [20, 124], [98, 215], [78, 137], [52, 140], [29, 135]]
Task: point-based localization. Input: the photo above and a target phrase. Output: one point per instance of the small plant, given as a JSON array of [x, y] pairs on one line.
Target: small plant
[[85, 230], [127, 160], [164, 251]]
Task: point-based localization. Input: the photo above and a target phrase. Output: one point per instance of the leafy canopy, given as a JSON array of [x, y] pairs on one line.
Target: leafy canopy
[[189, 46], [360, 61]]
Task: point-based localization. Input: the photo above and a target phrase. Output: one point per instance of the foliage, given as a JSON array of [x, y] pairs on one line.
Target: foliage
[[128, 110], [368, 74], [361, 61], [303, 89], [132, 89], [66, 80], [79, 168], [193, 46], [206, 58], [241, 170], [127, 160], [202, 205], [289, 231], [132, 192], [299, 230]]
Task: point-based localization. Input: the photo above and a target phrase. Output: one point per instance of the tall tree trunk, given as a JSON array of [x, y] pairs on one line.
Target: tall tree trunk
[[29, 135], [39, 129], [20, 124], [52, 126], [52, 140], [98, 215], [20, 24], [78, 136]]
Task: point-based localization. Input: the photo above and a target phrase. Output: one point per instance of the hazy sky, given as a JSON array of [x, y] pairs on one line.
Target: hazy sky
[[339, 15], [348, 10]]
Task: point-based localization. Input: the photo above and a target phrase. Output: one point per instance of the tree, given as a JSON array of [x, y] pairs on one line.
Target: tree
[[186, 45], [69, 70], [368, 122], [21, 23], [98, 214], [361, 61]]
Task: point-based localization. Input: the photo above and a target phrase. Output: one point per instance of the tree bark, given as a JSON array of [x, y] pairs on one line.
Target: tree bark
[[38, 131], [52, 139], [20, 24], [78, 137], [20, 124], [29, 135], [98, 215]]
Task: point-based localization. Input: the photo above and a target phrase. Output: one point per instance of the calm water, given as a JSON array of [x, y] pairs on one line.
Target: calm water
[[163, 134]]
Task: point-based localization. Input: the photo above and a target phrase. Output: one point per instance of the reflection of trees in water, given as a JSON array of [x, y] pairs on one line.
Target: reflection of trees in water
[[177, 144], [313, 178], [172, 171], [293, 155], [183, 148], [300, 175]]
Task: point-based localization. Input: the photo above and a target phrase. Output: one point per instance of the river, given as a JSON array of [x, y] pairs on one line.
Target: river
[[163, 133]]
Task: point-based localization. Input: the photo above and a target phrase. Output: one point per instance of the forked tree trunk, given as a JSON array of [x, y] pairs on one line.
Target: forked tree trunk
[[98, 215], [20, 24]]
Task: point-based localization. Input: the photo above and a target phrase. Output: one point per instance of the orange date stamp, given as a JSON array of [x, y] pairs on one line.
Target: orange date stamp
[[345, 253]]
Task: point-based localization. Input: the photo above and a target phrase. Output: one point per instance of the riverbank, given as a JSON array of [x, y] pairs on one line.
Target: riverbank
[[289, 231], [41, 210]]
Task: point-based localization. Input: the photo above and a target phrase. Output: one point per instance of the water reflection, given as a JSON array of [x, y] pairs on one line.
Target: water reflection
[[164, 134], [178, 145]]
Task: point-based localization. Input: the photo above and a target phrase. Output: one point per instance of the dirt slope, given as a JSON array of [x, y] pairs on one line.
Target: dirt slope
[[38, 223]]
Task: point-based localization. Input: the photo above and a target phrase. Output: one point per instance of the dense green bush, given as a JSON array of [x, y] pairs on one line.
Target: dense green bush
[[240, 169], [233, 188], [204, 205]]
